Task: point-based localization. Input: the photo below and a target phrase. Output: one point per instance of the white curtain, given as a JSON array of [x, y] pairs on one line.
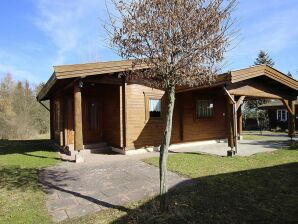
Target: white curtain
[[154, 105]]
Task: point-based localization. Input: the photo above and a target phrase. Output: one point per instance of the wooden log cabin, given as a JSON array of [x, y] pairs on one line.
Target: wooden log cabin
[[93, 103]]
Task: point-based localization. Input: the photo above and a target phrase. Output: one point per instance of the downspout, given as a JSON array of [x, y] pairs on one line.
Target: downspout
[[234, 118]]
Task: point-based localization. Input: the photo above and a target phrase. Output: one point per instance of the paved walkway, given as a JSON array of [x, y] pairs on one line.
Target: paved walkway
[[78, 189], [112, 180], [245, 147]]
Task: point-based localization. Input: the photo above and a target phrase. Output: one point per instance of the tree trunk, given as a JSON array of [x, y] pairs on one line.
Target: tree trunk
[[170, 94]]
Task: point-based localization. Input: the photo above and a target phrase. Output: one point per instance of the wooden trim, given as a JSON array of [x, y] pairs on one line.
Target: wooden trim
[[239, 102], [98, 68], [124, 118], [147, 97], [286, 103]]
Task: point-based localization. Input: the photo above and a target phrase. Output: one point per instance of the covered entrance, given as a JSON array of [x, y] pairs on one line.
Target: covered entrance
[[253, 83]]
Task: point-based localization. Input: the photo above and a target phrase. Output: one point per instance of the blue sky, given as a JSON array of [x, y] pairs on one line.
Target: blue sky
[[37, 34]]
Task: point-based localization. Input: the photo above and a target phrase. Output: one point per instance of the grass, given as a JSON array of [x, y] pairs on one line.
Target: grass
[[21, 197], [266, 135], [258, 189]]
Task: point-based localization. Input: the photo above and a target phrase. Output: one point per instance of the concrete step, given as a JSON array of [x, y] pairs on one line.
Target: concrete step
[[89, 146], [101, 147], [96, 145]]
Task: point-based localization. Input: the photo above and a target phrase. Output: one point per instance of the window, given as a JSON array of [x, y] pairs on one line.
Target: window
[[154, 107], [204, 108], [282, 115]]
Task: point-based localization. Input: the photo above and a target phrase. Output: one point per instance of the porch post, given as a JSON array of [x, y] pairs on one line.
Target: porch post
[[240, 118], [78, 137], [230, 124], [52, 131], [291, 119]]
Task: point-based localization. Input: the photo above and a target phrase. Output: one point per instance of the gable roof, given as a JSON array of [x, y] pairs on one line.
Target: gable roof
[[65, 72], [263, 70]]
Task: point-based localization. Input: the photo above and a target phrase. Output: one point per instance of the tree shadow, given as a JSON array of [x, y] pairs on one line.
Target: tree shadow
[[57, 180], [266, 195], [14, 177], [26, 147]]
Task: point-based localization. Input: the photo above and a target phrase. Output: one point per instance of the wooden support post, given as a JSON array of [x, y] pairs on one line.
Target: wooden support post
[[230, 124], [78, 126], [240, 117], [123, 104], [291, 119], [180, 104], [52, 131]]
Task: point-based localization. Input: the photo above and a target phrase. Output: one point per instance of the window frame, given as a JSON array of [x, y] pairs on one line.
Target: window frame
[[153, 96], [280, 111], [196, 108]]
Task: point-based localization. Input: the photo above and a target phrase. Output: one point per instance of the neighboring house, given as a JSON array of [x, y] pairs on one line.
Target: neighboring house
[[278, 114], [94, 103]]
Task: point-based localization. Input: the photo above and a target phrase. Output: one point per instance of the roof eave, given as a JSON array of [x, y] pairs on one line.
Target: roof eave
[[42, 95]]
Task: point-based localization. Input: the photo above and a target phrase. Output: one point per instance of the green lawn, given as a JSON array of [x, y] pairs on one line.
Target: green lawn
[[21, 197], [258, 189], [266, 135]]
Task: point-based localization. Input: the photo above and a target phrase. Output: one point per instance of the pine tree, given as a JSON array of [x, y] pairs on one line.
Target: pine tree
[[264, 59], [252, 106]]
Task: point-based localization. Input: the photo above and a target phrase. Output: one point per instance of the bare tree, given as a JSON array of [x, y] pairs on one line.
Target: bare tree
[[180, 41]]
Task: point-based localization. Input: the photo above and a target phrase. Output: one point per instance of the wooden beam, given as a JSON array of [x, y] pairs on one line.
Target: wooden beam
[[104, 80], [287, 105], [78, 125], [239, 102], [291, 119]]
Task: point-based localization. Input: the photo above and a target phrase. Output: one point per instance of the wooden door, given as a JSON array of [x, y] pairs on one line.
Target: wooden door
[[92, 120]]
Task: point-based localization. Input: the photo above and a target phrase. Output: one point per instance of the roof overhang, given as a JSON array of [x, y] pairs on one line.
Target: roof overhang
[[85, 70], [231, 80]]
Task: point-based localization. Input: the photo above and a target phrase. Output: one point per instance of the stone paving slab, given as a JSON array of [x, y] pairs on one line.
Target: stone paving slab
[[79, 189]]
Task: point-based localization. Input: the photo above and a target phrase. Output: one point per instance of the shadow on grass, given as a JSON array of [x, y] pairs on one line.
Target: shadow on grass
[[266, 195], [26, 147], [14, 177]]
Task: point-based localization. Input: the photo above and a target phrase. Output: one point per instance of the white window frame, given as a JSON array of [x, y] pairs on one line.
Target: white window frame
[[282, 112]]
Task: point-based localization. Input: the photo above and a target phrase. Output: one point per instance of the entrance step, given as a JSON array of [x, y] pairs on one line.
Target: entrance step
[[100, 147], [96, 145]]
